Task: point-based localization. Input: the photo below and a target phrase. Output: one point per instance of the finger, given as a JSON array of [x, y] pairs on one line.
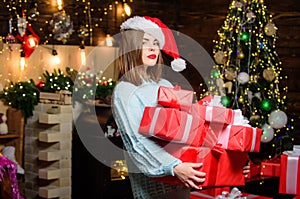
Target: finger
[[192, 184], [199, 173], [198, 180], [246, 167], [197, 165], [246, 171]]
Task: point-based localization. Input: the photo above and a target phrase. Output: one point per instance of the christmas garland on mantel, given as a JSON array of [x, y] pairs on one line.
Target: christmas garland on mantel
[[84, 86]]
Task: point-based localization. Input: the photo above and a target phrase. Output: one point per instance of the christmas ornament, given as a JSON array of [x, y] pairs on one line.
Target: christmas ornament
[[30, 41], [250, 16], [270, 29], [39, 84], [228, 85], [238, 4], [261, 45], [254, 118], [22, 24], [240, 55], [10, 38], [277, 119], [220, 57], [225, 100], [243, 77], [220, 85], [245, 36], [215, 73], [269, 74], [83, 32], [62, 26], [268, 133], [230, 73], [265, 105], [250, 95]]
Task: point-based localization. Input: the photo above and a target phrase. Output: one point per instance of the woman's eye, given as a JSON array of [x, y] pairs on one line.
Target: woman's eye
[[156, 44]]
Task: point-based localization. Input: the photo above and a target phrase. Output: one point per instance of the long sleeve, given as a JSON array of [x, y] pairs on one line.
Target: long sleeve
[[129, 102]]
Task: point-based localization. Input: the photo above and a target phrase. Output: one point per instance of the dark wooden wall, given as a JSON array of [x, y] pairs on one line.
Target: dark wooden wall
[[200, 19]]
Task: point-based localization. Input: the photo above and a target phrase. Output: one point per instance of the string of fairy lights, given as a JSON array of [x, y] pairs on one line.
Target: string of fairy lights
[[95, 17]]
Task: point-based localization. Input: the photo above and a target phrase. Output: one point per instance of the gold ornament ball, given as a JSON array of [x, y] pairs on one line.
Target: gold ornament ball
[[241, 55], [269, 74], [254, 118], [261, 1], [220, 57], [230, 74], [270, 29]]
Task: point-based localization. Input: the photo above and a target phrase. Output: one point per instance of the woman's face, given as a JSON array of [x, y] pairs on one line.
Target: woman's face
[[150, 50]]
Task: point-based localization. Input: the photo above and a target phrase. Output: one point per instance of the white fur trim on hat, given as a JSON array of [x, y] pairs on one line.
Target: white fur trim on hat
[[145, 25], [178, 64]]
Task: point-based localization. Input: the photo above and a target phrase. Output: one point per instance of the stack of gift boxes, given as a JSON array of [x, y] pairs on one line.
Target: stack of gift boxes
[[219, 137], [204, 131]]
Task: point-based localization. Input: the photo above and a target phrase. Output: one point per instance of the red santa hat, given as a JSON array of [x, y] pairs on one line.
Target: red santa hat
[[161, 32]]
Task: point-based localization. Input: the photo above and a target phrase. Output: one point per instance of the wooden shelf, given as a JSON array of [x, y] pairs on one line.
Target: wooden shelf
[[9, 135], [15, 137]]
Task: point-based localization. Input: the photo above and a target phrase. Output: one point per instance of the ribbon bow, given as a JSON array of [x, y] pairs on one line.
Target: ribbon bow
[[235, 193]]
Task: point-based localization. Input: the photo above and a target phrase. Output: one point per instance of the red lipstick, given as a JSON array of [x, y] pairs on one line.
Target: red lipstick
[[152, 56]]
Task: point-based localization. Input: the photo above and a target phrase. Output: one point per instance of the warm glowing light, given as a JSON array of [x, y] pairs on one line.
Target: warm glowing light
[[22, 63], [83, 57], [60, 4], [32, 41], [109, 40], [127, 9]]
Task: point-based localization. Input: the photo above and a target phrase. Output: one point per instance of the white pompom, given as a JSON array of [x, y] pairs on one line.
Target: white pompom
[[178, 65]]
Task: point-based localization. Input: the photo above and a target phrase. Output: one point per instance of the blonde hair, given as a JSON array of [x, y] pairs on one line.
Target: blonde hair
[[130, 63]]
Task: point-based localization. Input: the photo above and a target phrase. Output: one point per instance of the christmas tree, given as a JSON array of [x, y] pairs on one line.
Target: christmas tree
[[248, 72]]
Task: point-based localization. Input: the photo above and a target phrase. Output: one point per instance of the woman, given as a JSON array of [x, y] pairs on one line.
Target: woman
[[140, 66]]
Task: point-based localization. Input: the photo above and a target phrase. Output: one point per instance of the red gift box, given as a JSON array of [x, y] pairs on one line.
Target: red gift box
[[289, 181], [214, 191], [254, 170], [171, 124], [270, 168], [213, 114], [175, 97], [240, 138], [222, 168]]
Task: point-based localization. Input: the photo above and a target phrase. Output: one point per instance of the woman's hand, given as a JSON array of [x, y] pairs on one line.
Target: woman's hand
[[246, 169], [187, 173]]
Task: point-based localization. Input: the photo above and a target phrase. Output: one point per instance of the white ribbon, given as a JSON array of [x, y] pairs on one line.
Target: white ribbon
[[254, 134], [154, 120], [292, 169], [187, 128], [223, 137], [292, 174], [208, 113]]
